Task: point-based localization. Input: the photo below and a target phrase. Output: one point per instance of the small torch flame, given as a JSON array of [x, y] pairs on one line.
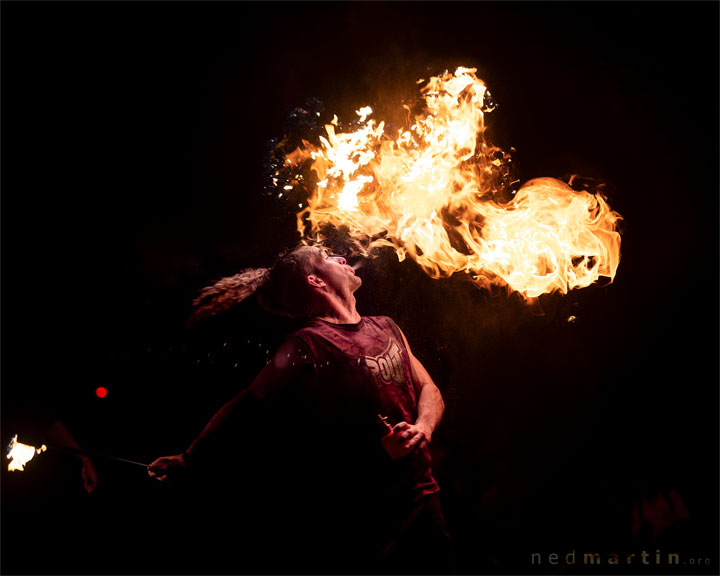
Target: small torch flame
[[20, 454], [433, 193]]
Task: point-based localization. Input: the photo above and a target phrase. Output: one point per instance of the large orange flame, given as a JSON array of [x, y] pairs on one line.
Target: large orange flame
[[431, 192]]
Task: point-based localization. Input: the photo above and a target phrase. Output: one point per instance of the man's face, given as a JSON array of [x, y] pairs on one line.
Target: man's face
[[336, 272]]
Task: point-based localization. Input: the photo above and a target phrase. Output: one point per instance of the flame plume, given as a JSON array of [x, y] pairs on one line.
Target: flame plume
[[20, 454], [435, 192]]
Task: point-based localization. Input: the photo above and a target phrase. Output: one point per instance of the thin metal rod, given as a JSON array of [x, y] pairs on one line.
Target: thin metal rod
[[95, 454]]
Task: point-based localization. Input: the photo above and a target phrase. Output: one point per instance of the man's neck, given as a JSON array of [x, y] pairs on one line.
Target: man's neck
[[341, 311]]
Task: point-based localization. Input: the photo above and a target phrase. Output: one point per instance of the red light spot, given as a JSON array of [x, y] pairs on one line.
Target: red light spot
[[101, 391]]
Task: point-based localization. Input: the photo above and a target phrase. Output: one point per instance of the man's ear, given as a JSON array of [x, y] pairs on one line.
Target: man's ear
[[315, 281]]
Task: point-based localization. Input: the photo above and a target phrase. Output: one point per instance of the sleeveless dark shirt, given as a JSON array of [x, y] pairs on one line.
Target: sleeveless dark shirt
[[363, 370]]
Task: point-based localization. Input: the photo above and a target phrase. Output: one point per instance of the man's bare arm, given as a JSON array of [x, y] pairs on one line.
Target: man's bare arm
[[431, 405], [405, 436], [289, 363]]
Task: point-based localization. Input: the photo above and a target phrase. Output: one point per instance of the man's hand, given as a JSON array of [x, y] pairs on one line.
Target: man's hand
[[165, 467], [88, 474], [404, 438]]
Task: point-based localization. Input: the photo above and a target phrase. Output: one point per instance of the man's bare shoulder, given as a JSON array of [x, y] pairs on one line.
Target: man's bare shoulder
[[291, 353]]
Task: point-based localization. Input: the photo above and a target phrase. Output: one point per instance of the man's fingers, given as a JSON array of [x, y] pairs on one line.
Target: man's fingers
[[415, 440], [158, 466], [164, 468], [402, 431], [410, 435], [155, 471], [159, 477], [404, 437]]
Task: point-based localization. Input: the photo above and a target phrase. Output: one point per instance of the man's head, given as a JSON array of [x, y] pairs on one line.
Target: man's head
[[304, 280], [332, 275]]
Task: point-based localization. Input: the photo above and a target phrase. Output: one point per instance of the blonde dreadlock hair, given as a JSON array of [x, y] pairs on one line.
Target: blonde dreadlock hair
[[280, 290]]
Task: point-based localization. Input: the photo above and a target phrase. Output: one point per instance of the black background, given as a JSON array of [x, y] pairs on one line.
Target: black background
[[134, 139]]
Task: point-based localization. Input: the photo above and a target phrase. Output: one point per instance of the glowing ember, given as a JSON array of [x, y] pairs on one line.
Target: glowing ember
[[20, 454], [435, 192]]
